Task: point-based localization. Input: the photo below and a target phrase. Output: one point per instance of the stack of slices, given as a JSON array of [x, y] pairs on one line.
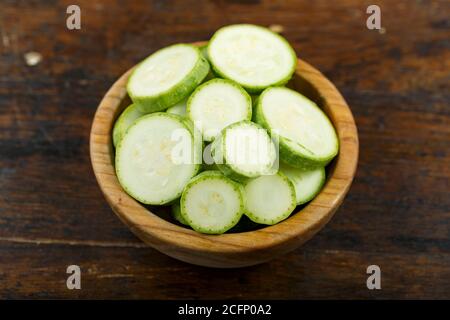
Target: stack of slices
[[213, 132]]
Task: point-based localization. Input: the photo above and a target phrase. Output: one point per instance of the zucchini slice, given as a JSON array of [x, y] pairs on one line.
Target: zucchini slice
[[166, 77], [211, 203], [157, 157], [179, 108], [252, 56], [269, 199], [204, 50], [176, 213], [125, 120], [307, 138], [244, 150], [307, 183], [217, 104]]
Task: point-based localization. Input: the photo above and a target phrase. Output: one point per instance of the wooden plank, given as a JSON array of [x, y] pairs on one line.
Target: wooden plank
[[396, 82]]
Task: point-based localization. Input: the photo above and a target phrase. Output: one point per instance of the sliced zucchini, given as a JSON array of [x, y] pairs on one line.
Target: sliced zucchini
[[217, 104], [125, 120], [307, 183], [269, 199], [244, 150], [307, 138], [212, 203], [208, 160], [176, 213], [166, 77], [204, 51], [179, 108], [157, 157], [252, 56]]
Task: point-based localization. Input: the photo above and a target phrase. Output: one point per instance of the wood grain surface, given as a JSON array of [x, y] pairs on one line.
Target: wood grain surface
[[397, 214]]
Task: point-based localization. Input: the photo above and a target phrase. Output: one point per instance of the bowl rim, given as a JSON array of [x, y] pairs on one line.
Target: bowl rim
[[166, 236]]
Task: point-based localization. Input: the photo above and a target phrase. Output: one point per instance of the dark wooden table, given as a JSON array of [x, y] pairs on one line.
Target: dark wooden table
[[397, 214]]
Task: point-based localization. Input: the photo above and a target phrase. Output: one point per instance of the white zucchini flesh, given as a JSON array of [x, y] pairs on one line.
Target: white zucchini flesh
[[307, 183], [307, 137], [125, 120], [166, 77], [244, 150], [269, 199], [252, 56], [211, 203], [179, 108], [217, 104], [156, 158]]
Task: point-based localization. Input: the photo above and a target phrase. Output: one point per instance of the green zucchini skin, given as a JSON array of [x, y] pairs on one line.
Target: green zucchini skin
[[125, 120], [175, 94], [287, 154], [204, 50], [254, 89], [176, 213]]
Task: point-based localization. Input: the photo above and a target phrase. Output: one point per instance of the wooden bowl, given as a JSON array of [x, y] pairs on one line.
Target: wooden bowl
[[231, 249]]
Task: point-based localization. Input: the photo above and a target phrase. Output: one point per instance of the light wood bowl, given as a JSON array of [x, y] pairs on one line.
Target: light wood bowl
[[231, 249]]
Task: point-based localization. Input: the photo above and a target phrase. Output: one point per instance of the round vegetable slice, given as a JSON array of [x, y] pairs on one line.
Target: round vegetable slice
[[204, 50], [217, 104], [252, 56], [307, 183], [166, 77], [269, 199], [179, 108], [244, 150], [307, 138], [176, 213], [211, 203], [125, 120], [157, 157]]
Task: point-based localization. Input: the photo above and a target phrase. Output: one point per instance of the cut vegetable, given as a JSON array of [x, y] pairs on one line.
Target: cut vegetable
[[167, 77], [176, 213], [179, 108], [269, 199], [307, 183], [125, 120], [217, 104], [208, 160], [204, 50], [252, 56], [157, 157], [212, 203], [306, 136], [244, 150]]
